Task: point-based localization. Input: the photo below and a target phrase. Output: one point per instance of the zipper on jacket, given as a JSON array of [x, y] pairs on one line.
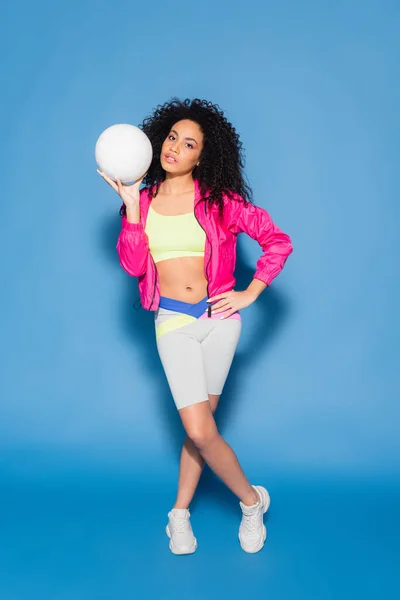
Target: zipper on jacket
[[155, 269], [209, 258], [155, 282]]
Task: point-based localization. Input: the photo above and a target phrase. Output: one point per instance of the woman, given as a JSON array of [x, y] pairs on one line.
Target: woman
[[178, 237]]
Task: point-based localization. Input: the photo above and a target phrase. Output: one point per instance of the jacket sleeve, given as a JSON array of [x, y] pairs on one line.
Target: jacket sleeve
[[257, 223], [133, 248]]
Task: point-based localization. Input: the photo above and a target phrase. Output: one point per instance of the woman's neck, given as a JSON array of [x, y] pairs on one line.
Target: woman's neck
[[175, 185]]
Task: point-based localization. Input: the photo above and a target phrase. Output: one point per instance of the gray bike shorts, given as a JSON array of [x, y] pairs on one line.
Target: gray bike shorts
[[196, 353]]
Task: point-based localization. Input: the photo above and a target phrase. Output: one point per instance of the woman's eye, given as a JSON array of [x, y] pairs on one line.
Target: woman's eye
[[190, 145]]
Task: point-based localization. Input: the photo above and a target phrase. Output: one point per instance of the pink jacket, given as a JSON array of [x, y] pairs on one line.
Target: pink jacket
[[220, 246]]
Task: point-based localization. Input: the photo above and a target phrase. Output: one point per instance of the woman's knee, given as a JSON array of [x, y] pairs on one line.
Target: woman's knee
[[202, 437], [200, 425]]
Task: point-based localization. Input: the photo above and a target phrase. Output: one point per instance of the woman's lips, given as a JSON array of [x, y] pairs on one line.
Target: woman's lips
[[169, 158]]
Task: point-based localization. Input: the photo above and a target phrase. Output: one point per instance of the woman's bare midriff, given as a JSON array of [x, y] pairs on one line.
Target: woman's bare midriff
[[183, 278]]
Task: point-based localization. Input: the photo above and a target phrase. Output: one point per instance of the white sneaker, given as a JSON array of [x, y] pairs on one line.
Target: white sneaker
[[252, 531], [179, 530]]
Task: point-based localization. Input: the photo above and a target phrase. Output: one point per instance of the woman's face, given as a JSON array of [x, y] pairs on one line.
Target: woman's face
[[182, 147]]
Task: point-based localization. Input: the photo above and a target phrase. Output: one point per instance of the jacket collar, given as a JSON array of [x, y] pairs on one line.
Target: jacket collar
[[197, 193]]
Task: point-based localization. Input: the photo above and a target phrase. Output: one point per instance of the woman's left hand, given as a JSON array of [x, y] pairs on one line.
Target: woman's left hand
[[231, 302]]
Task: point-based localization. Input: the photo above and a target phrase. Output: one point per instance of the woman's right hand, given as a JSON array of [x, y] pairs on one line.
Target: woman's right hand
[[129, 194]]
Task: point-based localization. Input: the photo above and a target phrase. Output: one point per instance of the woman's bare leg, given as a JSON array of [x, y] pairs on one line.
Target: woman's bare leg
[[200, 426], [191, 466]]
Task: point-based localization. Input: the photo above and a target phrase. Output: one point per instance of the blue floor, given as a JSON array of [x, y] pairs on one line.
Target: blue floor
[[94, 537]]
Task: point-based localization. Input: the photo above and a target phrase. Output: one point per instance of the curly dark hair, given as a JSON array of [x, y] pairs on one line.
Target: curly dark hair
[[221, 160]]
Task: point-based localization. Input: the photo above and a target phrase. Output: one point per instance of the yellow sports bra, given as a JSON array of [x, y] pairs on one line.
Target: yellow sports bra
[[174, 236]]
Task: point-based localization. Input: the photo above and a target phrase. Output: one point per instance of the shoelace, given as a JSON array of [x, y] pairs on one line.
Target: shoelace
[[251, 522], [181, 524]]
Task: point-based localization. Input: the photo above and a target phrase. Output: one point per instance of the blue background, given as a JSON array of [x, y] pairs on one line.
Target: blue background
[[90, 438]]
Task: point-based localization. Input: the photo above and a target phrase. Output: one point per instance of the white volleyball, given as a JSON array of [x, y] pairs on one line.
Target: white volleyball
[[123, 151]]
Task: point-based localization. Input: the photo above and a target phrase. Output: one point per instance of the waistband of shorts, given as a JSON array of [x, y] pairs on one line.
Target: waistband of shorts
[[195, 310]]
